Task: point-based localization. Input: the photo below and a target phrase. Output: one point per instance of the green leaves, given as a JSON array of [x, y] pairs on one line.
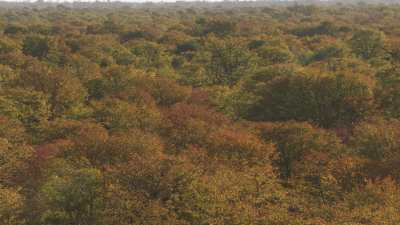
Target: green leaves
[[329, 101], [367, 43], [219, 114], [36, 46], [73, 198], [229, 61]]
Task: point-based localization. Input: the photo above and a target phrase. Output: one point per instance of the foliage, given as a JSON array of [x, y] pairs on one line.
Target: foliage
[[327, 100], [236, 113]]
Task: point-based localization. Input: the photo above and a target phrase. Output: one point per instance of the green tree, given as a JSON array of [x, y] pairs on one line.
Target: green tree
[[387, 91], [36, 46], [65, 93], [274, 55], [297, 141], [73, 198], [229, 61], [328, 100], [31, 107], [367, 43], [122, 115], [219, 27]]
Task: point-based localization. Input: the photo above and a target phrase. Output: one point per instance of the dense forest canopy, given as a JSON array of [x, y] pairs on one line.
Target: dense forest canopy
[[199, 114]]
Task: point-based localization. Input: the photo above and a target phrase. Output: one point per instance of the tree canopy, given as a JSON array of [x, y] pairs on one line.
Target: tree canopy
[[223, 113]]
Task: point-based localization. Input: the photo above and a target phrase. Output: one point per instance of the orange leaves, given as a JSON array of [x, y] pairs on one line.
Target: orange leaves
[[165, 92], [378, 144], [15, 160], [189, 124], [97, 128], [195, 127], [238, 146], [53, 149], [11, 206], [117, 115]]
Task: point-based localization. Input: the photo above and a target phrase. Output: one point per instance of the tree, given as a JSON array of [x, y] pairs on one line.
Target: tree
[[7, 76], [31, 108], [370, 204], [328, 52], [12, 130], [150, 56], [135, 165], [297, 141], [73, 198], [387, 91], [325, 28], [164, 91], [11, 207], [328, 100], [188, 46], [15, 160], [13, 29], [274, 55], [367, 43], [116, 114], [36, 46], [219, 27], [83, 69], [229, 61], [189, 124], [7, 45], [377, 142], [116, 79], [239, 147], [65, 93]]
